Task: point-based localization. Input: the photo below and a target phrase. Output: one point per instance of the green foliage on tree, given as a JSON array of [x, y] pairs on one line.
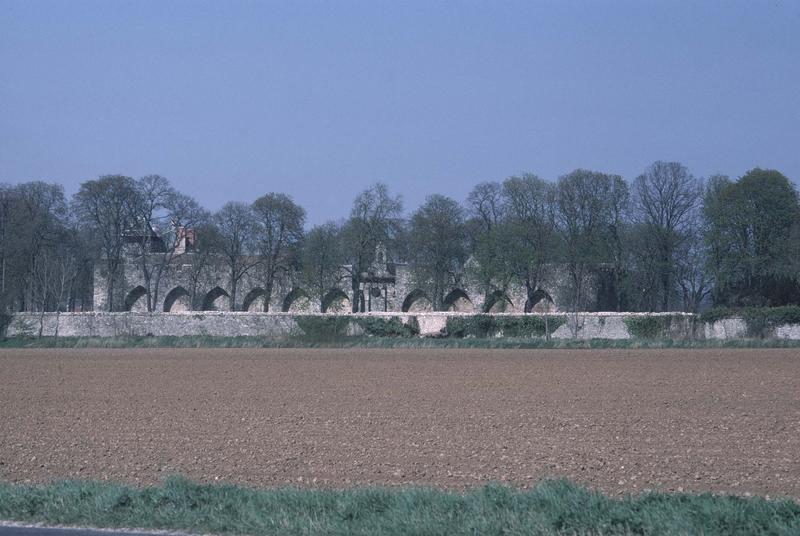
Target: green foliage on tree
[[513, 233], [375, 220], [753, 225], [588, 215], [668, 241], [108, 208], [438, 242], [45, 258]]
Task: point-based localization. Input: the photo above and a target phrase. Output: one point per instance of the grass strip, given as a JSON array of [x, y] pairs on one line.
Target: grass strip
[[207, 341], [551, 507]]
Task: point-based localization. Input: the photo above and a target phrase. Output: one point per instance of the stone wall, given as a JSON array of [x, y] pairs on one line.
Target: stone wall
[[279, 325], [96, 324], [193, 283], [726, 328], [184, 287]]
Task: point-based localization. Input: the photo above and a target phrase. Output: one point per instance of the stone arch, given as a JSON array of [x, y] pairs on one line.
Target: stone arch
[[134, 302], [178, 300], [458, 301], [335, 301], [539, 298], [297, 300], [417, 301], [251, 300], [213, 300], [498, 302]]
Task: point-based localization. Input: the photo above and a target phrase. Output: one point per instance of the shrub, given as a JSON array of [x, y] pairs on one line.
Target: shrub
[[649, 327], [485, 325], [529, 326], [5, 320], [760, 321], [323, 327], [777, 316], [387, 327], [716, 314], [22, 328]]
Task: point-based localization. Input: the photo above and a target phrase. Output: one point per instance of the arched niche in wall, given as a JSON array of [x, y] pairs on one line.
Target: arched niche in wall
[[177, 300]]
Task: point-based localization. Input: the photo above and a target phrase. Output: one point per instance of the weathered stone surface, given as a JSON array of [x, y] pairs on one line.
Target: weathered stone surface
[[787, 331], [188, 283], [727, 328], [593, 327], [279, 325], [431, 324], [156, 324]]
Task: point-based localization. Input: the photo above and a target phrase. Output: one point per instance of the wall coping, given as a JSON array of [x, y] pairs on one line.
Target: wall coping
[[355, 315]]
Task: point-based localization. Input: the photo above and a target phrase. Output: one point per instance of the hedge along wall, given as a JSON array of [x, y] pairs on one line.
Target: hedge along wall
[[753, 322], [440, 324]]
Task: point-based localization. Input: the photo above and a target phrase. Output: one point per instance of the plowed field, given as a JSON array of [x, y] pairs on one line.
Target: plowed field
[[619, 420]]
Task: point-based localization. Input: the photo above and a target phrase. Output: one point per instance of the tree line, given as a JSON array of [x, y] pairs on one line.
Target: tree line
[[664, 241]]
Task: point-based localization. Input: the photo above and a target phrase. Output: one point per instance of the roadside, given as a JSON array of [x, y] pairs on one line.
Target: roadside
[[551, 507], [11, 528]]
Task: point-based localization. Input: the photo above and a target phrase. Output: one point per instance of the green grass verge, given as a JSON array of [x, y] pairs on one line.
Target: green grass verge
[[552, 507], [207, 341]]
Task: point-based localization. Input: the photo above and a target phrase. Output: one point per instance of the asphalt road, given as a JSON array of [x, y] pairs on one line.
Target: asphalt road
[[16, 530]]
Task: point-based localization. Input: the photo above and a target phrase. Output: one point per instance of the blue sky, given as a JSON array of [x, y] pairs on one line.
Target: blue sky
[[231, 100]]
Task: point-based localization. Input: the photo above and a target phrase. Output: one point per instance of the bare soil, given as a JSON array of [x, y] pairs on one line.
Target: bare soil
[[723, 420]]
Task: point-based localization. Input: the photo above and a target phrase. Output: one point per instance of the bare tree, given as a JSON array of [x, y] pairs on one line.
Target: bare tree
[[236, 231], [184, 216], [279, 227], [64, 281], [7, 203], [322, 260], [149, 204], [485, 203], [695, 282], [202, 257], [584, 216], [41, 275], [666, 195], [53, 276], [619, 223], [484, 230]]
